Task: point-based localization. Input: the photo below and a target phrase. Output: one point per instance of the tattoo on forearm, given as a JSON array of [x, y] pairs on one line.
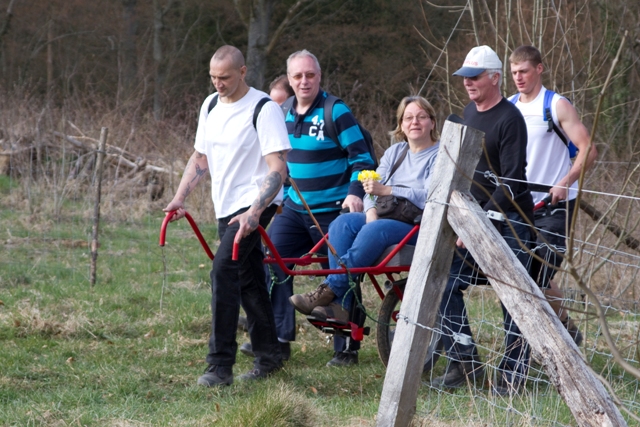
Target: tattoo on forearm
[[199, 173], [186, 191], [254, 221], [269, 190], [281, 156]]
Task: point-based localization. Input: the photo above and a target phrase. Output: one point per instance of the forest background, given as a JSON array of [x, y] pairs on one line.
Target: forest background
[[141, 68]]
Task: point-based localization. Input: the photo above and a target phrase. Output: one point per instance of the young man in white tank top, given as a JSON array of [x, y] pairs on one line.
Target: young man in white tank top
[[549, 163]]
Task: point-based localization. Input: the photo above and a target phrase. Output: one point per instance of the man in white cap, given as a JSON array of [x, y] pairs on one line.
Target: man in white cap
[[499, 185]]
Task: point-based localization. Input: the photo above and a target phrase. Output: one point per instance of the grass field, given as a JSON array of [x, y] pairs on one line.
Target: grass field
[[128, 351]]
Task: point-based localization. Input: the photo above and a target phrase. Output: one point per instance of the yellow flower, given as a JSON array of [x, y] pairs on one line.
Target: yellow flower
[[369, 175]]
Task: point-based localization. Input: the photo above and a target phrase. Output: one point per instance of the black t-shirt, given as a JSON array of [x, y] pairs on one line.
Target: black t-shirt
[[504, 155]]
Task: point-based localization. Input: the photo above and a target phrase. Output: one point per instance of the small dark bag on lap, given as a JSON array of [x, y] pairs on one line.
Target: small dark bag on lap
[[395, 207], [398, 208]]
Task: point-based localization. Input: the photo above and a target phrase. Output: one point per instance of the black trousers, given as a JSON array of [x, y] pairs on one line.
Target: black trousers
[[241, 282]]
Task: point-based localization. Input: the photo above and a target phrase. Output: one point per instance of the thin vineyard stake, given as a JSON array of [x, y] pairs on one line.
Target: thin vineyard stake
[[313, 218], [96, 205]]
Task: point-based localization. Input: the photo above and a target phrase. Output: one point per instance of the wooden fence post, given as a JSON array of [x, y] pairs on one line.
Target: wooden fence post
[[459, 152], [449, 209], [96, 207], [584, 394]]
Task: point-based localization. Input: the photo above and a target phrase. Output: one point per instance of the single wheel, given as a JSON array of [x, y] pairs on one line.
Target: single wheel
[[387, 318]]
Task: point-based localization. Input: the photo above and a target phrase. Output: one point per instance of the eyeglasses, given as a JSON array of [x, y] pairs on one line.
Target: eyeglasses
[[420, 117], [299, 76], [474, 78]]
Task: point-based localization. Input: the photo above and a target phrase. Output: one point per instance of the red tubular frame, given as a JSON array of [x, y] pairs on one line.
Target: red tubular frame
[[309, 258], [163, 231]]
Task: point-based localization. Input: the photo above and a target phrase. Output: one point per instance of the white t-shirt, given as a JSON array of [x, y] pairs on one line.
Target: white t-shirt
[[235, 150], [548, 158]]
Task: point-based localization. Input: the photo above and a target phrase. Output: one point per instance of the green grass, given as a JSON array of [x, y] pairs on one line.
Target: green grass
[[128, 351]]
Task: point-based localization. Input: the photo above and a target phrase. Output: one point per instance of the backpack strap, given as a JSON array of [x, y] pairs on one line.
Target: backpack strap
[[515, 98], [287, 105], [396, 165], [329, 125], [213, 103], [548, 117], [256, 111]]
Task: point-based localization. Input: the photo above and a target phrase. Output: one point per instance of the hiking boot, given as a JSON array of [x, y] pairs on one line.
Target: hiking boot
[[458, 373], [216, 375], [333, 312], [258, 374], [503, 387], [305, 303], [573, 330], [247, 350], [243, 326], [285, 350], [343, 358]]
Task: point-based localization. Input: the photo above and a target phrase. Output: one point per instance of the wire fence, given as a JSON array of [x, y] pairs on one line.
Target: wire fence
[[46, 220]]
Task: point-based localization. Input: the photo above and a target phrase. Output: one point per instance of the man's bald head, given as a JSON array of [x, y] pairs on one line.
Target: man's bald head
[[229, 53]]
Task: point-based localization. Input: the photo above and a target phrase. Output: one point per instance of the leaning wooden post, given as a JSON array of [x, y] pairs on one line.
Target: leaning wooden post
[[96, 206], [584, 394], [460, 149]]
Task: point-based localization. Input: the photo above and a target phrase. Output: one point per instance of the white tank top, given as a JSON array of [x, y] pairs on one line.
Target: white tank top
[[547, 156]]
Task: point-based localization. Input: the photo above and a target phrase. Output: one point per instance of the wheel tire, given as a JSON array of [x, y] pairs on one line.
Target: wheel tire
[[385, 330]]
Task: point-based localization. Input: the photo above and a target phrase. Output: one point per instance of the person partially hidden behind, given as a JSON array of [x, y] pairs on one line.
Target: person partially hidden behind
[[280, 90], [360, 238], [549, 163], [247, 165]]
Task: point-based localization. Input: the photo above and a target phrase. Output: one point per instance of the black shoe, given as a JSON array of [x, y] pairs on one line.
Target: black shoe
[[343, 358], [247, 350], [285, 350], [458, 373], [216, 375], [502, 387], [258, 374], [573, 330]]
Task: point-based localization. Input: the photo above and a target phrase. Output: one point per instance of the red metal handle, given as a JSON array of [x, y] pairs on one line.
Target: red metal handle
[[542, 203], [167, 219], [234, 253]]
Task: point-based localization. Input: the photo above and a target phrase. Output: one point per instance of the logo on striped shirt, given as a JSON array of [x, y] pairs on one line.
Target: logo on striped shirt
[[317, 129]]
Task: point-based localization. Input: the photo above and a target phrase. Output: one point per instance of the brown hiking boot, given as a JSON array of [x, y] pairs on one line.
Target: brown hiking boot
[[333, 312], [305, 303]]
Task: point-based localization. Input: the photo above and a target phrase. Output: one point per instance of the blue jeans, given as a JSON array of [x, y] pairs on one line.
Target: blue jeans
[[457, 337], [359, 244], [293, 234], [241, 282]]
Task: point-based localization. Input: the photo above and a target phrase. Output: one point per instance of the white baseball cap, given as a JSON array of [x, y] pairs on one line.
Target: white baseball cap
[[480, 58]]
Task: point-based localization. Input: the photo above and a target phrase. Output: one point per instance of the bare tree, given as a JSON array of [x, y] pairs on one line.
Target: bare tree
[[159, 13], [129, 62], [260, 40]]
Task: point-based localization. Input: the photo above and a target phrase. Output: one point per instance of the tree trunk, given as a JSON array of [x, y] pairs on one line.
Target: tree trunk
[[5, 25], [129, 57], [259, 20], [158, 59]]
